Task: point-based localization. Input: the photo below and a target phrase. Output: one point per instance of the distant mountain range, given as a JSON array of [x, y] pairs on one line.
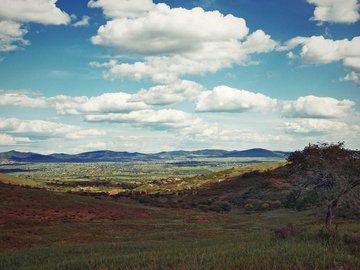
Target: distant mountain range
[[112, 156]]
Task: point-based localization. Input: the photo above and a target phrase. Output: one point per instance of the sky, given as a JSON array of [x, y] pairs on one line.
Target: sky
[[151, 76]]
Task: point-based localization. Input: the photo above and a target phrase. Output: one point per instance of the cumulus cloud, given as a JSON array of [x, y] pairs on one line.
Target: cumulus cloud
[[259, 42], [220, 99], [35, 11], [15, 98], [105, 103], [352, 76], [303, 126], [83, 22], [318, 107], [336, 11], [124, 8], [183, 124], [167, 30], [14, 13], [176, 92], [161, 119], [6, 139], [166, 69], [177, 41], [11, 36], [227, 99], [41, 129], [319, 50], [168, 94]]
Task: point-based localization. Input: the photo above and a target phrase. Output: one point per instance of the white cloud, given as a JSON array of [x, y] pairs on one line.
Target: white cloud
[[11, 36], [303, 126], [6, 139], [352, 63], [336, 11], [105, 103], [220, 99], [353, 76], [14, 13], [319, 50], [259, 42], [124, 8], [291, 55], [41, 129], [176, 41], [169, 30], [164, 69], [226, 99], [15, 98], [83, 22], [161, 119], [318, 107], [168, 94], [35, 11], [185, 125]]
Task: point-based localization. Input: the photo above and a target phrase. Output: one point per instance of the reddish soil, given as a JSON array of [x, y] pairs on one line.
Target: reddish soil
[[34, 217], [24, 206]]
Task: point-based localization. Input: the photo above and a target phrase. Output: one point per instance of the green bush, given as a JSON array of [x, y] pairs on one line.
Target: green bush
[[249, 206]]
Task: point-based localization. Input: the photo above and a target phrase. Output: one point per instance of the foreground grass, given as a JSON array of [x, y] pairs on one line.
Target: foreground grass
[[252, 252], [185, 239]]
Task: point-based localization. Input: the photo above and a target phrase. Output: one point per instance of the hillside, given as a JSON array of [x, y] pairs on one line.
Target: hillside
[[312, 179], [9, 179], [113, 156]]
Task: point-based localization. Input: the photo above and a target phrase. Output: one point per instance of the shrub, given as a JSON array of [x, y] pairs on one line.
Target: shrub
[[249, 206], [275, 204]]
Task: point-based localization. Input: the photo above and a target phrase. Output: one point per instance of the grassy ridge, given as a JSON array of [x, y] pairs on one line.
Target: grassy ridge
[[9, 179]]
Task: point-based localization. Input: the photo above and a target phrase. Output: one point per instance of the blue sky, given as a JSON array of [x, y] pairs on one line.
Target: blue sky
[[149, 76]]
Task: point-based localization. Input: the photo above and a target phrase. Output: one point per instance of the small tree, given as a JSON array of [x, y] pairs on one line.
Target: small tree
[[328, 170]]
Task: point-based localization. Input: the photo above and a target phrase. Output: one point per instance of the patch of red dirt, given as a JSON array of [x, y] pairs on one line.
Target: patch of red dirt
[[22, 206]]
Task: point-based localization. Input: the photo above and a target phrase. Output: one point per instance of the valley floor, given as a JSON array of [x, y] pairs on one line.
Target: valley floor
[[46, 230]]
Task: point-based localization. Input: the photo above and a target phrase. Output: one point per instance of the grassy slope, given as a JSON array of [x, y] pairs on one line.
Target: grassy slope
[[44, 230], [145, 172], [211, 178], [9, 179]]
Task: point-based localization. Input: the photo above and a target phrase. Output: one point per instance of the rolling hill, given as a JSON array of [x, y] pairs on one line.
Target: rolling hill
[[113, 156]]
